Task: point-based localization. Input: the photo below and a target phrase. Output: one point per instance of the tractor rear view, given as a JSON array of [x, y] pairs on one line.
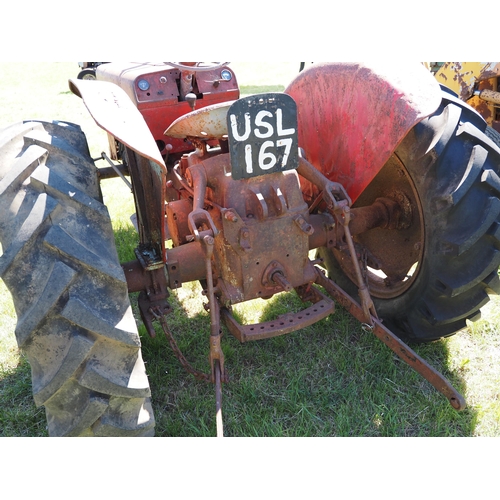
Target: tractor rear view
[[359, 186]]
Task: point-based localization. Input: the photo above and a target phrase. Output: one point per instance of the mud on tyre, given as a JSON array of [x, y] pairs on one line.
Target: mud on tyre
[[60, 263], [448, 170]]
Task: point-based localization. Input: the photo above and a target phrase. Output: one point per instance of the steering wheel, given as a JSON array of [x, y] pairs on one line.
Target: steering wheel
[[210, 67]]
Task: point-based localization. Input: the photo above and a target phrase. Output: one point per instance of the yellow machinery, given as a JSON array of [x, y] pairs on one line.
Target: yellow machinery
[[476, 83]]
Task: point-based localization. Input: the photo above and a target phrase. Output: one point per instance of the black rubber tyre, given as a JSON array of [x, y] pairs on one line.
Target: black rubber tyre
[[87, 74], [452, 168], [60, 263], [493, 135]]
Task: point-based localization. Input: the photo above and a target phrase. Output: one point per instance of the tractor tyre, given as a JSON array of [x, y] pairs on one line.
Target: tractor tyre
[[87, 74], [427, 279], [59, 261], [493, 135]]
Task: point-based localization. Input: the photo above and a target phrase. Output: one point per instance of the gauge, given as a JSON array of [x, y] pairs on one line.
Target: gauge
[[143, 84], [226, 75]]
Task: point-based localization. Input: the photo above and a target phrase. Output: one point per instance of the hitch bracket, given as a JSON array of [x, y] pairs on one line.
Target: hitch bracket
[[436, 379]]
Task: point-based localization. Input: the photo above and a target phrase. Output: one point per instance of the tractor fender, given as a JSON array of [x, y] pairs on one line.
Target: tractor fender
[[352, 116], [113, 110]]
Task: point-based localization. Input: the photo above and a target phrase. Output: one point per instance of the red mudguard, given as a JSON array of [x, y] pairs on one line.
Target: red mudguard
[[352, 116]]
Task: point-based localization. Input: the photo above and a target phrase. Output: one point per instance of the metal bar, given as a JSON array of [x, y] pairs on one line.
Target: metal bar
[[218, 400], [216, 355], [116, 169], [366, 301], [282, 325], [436, 379], [108, 172]]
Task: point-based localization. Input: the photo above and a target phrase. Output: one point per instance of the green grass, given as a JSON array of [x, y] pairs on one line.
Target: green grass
[[331, 379]]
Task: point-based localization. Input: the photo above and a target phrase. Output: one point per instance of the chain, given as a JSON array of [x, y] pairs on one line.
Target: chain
[[198, 375]]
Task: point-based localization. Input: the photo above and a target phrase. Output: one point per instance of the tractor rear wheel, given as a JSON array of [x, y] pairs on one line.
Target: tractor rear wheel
[[60, 263], [429, 278]]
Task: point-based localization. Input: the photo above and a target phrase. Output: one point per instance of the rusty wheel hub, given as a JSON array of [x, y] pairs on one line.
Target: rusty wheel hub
[[392, 255]]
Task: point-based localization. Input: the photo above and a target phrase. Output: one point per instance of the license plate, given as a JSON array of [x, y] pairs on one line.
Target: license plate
[[262, 134]]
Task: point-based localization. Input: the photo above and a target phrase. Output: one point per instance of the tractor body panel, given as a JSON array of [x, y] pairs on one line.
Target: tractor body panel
[[155, 91], [361, 114], [115, 113]]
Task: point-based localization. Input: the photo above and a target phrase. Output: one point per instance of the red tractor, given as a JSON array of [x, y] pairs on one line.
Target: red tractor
[[390, 179]]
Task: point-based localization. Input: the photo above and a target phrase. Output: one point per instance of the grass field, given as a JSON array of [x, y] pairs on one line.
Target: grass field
[[331, 379]]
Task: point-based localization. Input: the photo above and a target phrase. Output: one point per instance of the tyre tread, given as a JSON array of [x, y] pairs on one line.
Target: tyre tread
[[455, 166], [70, 293]]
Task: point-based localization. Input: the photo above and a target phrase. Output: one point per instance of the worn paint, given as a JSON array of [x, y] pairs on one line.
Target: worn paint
[[204, 123], [466, 77], [463, 77], [352, 117], [114, 112]]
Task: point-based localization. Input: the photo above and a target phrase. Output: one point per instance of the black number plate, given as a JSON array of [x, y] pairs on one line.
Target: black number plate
[[262, 133]]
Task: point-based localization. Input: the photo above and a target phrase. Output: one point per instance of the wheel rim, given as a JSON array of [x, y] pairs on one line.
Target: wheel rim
[[392, 257]]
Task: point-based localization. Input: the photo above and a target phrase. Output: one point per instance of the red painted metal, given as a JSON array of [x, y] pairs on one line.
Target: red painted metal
[[353, 116], [160, 118], [114, 112], [161, 103]]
